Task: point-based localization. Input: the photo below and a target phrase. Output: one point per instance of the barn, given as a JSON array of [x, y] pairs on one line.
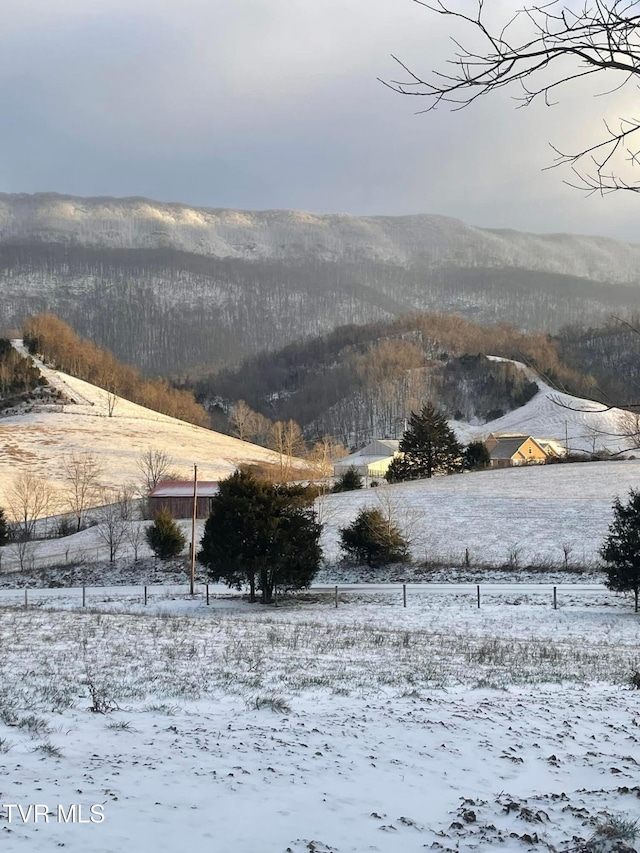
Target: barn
[[371, 461], [177, 497]]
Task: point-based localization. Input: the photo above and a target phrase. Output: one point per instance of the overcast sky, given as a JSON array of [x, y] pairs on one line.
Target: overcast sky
[[275, 104]]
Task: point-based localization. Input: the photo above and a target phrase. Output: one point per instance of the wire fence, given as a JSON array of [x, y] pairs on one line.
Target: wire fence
[[396, 594]]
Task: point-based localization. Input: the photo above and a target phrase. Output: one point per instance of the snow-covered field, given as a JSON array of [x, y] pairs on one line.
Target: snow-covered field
[[233, 728], [310, 728], [519, 516], [540, 516]]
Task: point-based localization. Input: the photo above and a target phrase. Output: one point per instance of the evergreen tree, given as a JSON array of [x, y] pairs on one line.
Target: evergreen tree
[[349, 481], [4, 528], [428, 447], [164, 536], [621, 548], [476, 456], [373, 539], [261, 534]]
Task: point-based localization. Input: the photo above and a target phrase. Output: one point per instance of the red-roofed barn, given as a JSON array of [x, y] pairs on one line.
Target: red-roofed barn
[[177, 497]]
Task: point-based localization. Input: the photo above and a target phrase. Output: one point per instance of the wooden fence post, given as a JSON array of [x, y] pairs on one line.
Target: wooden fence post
[[145, 595], [207, 588], [84, 596], [404, 595], [555, 598], [26, 597], [478, 591], [336, 595]]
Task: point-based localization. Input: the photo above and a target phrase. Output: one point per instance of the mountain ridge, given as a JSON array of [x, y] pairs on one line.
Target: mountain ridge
[[180, 291], [432, 240]]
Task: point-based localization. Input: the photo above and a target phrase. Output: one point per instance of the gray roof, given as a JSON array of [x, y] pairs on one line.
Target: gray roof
[[508, 447], [184, 489]]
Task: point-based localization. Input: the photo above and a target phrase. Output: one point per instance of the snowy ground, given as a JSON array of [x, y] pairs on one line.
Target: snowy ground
[[310, 728]]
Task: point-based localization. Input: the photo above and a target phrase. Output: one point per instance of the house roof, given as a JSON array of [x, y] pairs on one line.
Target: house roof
[[348, 461], [375, 451], [392, 443], [506, 448], [553, 445], [184, 489]]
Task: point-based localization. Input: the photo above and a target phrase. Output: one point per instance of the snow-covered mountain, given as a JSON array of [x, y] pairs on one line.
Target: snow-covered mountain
[[172, 288], [138, 223]]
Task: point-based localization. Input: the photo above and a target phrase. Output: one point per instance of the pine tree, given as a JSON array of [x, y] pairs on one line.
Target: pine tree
[[373, 539], [4, 528], [261, 534], [164, 536], [428, 447], [621, 548]]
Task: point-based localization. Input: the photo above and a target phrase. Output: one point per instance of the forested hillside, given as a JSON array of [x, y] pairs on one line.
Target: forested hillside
[[180, 291], [610, 353], [363, 381]]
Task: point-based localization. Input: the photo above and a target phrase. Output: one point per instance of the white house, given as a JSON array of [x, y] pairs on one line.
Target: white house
[[370, 461]]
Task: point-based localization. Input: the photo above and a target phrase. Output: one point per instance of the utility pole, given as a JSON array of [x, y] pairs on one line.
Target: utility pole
[[192, 574]]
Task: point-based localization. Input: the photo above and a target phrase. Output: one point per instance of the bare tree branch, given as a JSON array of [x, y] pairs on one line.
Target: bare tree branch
[[542, 48]]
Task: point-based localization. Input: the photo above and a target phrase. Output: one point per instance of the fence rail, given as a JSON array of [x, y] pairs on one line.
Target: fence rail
[[402, 593]]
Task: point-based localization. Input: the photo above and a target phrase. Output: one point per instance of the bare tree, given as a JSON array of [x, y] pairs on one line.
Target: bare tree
[[249, 425], [243, 421], [398, 512], [287, 440], [81, 475], [112, 401], [135, 529], [24, 551], [324, 453], [154, 465], [542, 48], [113, 519], [29, 498]]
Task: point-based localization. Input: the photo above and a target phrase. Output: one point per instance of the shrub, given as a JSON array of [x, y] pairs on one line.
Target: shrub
[[476, 456], [4, 528], [164, 536], [373, 539], [349, 481]]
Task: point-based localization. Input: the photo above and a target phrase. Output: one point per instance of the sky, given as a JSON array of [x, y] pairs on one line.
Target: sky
[[260, 104]]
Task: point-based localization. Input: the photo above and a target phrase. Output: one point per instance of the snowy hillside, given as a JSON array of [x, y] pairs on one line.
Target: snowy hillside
[[37, 440], [580, 425], [139, 223]]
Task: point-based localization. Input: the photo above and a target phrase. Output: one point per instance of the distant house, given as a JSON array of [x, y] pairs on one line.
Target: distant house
[[552, 447], [177, 497], [370, 461], [507, 449]]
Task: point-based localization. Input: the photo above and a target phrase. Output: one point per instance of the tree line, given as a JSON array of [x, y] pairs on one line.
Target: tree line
[[18, 375]]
